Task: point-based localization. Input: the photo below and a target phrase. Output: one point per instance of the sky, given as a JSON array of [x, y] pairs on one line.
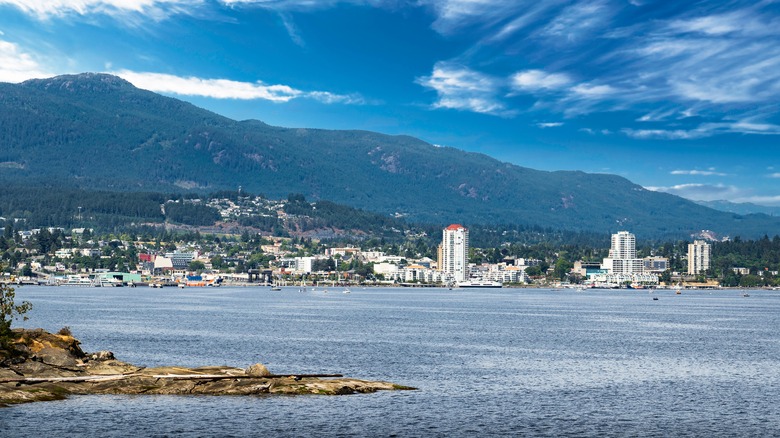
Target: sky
[[676, 96]]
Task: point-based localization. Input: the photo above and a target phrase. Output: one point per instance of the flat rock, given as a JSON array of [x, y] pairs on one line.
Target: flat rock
[[55, 367]]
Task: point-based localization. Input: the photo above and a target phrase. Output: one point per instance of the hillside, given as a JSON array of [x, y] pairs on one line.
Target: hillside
[[97, 131], [740, 208]]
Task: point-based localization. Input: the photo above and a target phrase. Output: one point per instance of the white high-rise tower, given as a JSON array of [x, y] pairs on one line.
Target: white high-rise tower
[[455, 252], [698, 257], [622, 255]]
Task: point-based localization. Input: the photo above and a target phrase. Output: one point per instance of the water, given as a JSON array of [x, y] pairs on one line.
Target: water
[[491, 362]]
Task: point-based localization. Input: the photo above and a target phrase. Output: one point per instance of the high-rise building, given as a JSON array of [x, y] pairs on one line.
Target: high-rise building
[[699, 253], [623, 246], [453, 258], [622, 255]]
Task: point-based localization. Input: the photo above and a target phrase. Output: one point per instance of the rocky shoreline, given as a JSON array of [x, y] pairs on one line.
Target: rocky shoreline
[[48, 366]]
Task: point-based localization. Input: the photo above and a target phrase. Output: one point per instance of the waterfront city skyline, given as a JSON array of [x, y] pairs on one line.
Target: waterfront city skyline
[[675, 97]]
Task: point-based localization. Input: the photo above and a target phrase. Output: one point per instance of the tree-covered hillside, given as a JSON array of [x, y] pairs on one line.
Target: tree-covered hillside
[[97, 131]]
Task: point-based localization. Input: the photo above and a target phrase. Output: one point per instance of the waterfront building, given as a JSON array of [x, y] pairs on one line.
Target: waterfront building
[[454, 253], [656, 264], [181, 260], [622, 255], [298, 265], [699, 253]]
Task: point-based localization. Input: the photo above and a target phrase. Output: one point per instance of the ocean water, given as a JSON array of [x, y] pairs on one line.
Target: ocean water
[[497, 362]]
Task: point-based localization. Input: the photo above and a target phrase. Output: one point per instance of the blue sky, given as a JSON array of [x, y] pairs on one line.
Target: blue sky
[[682, 97]]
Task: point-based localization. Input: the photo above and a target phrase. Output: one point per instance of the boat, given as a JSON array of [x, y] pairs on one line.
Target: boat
[[346, 291], [746, 294], [78, 280], [110, 282], [479, 284], [205, 280]]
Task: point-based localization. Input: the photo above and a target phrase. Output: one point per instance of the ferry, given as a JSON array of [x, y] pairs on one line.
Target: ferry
[[479, 284], [203, 280], [77, 280]]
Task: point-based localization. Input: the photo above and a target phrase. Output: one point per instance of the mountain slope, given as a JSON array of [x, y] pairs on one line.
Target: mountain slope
[[99, 131], [740, 208]]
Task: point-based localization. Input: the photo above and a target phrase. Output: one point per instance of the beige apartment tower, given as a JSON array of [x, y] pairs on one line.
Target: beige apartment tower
[[699, 253]]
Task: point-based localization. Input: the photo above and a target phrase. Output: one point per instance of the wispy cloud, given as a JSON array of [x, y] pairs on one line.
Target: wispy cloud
[[534, 80], [549, 124], [16, 65], [229, 89], [577, 20], [156, 9], [696, 172], [774, 175], [298, 4], [717, 61], [461, 88], [705, 130]]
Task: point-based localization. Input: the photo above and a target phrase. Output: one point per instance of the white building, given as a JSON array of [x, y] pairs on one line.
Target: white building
[[622, 255], [454, 253], [299, 265], [699, 253]]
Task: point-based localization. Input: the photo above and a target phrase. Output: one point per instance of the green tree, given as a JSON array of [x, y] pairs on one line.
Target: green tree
[[196, 265], [562, 268], [9, 311]]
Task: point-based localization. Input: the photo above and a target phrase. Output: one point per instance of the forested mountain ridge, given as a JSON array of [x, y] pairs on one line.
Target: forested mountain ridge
[[97, 131]]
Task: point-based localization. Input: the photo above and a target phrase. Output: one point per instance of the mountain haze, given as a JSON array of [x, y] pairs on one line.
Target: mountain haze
[[98, 131]]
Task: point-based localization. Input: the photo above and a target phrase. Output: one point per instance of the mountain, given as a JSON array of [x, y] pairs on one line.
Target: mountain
[[741, 207], [97, 131]]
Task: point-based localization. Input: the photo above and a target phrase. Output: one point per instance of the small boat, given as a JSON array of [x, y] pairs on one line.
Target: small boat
[[655, 298], [746, 294], [275, 288], [346, 291]]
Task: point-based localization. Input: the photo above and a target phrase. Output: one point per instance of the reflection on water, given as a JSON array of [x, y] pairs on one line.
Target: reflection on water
[[514, 362]]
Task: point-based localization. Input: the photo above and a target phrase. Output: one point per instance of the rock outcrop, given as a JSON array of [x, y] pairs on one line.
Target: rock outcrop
[[50, 366]]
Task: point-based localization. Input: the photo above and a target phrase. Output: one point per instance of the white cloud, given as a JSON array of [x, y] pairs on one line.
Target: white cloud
[[539, 80], [228, 89], [17, 65], [44, 9], [593, 90], [704, 192], [288, 3], [774, 175], [452, 14], [670, 134], [718, 192], [578, 19], [715, 61], [463, 89], [709, 172], [706, 130], [736, 22], [549, 124]]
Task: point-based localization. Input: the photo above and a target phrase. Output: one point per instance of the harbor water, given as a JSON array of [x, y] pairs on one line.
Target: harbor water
[[490, 362]]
